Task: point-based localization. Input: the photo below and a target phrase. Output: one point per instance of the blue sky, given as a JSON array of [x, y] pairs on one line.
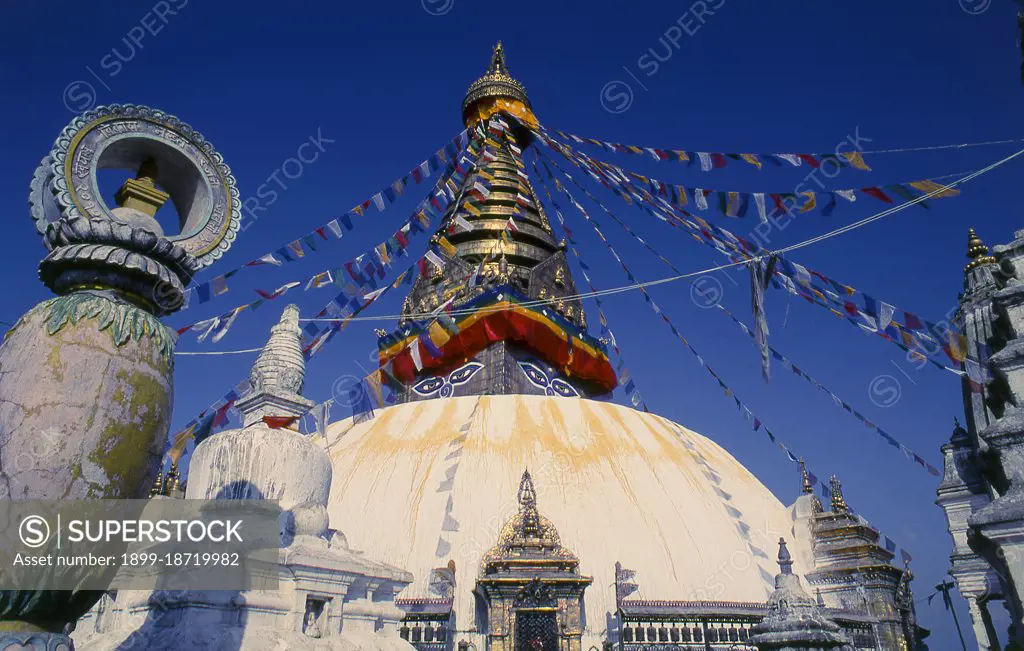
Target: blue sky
[[384, 82]]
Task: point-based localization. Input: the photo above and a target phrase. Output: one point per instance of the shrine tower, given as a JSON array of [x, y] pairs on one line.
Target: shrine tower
[[505, 280]]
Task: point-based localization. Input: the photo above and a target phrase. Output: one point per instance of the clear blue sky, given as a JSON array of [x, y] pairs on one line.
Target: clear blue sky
[[384, 81]]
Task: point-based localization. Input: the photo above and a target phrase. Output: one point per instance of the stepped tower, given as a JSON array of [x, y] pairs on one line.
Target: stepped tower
[[505, 272]]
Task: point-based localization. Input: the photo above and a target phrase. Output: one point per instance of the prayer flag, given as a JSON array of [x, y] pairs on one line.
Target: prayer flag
[[280, 422], [752, 159], [941, 191], [877, 194]]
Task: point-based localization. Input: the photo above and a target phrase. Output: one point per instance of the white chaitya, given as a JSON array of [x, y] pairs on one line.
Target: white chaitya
[[331, 596]]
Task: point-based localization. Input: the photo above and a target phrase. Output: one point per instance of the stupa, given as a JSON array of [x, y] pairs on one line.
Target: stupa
[[516, 382], [330, 595]]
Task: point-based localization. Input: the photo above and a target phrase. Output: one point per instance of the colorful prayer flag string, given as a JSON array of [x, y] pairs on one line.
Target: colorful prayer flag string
[[712, 160], [625, 378], [786, 362], [364, 270], [738, 204], [314, 337], [336, 228], [747, 413], [906, 330]]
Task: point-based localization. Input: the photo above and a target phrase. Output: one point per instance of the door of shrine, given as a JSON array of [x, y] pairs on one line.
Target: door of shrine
[[536, 631]]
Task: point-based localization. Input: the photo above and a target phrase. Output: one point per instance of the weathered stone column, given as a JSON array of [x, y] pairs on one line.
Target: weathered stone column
[[984, 631], [1001, 523], [795, 621], [86, 377]]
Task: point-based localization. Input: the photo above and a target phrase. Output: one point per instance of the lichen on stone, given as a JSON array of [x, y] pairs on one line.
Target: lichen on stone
[[125, 322], [124, 449]]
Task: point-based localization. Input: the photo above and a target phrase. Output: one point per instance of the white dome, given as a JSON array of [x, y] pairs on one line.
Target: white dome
[[618, 484]]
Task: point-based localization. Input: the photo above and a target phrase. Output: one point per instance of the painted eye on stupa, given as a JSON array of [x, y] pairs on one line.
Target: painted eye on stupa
[[462, 374], [564, 389], [428, 387], [536, 376]]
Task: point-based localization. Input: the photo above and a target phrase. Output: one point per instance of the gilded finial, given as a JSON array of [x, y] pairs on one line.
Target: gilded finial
[[838, 502], [171, 485], [528, 506], [497, 91], [498, 60], [977, 252], [527, 494], [158, 484], [805, 479]]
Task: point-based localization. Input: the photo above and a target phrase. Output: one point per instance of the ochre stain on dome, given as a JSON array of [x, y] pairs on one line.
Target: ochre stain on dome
[[618, 484]]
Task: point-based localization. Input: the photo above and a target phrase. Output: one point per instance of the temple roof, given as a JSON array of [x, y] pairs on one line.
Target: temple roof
[[528, 534]]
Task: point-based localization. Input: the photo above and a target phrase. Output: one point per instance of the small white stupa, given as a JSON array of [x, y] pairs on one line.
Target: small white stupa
[[329, 597]]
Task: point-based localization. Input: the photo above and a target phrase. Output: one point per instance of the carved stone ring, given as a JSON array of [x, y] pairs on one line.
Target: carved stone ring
[[124, 137]]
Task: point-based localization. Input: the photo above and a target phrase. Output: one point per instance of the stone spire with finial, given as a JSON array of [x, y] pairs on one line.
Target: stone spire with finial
[[528, 505], [158, 484], [805, 487], [171, 484], [278, 375], [795, 621], [838, 502], [977, 252]]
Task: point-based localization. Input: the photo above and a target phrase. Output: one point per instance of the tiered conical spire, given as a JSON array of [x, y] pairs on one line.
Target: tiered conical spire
[[977, 252], [528, 506], [496, 247], [838, 501], [278, 375], [805, 480], [795, 621], [525, 244]]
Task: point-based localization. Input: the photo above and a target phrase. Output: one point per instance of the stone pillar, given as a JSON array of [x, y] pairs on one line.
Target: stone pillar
[[984, 631], [86, 377], [1001, 523]]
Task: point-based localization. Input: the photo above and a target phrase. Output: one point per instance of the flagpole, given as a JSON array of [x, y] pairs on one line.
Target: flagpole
[[944, 588]]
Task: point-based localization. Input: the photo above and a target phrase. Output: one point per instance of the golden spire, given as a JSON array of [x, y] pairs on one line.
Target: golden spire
[[158, 484], [528, 506], [497, 91], [977, 252], [171, 485], [805, 479], [498, 60], [838, 503]]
